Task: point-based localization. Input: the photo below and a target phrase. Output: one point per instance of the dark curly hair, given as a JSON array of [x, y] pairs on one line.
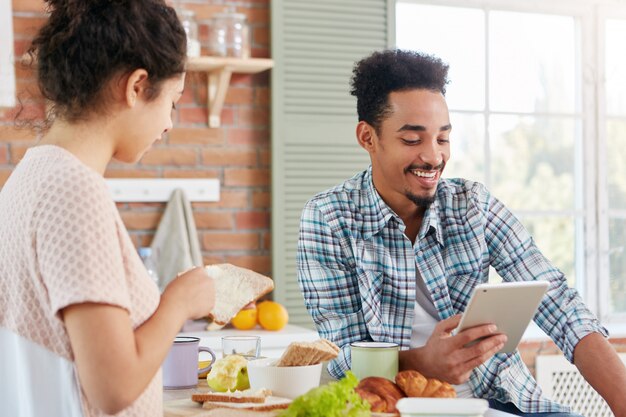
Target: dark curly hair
[[85, 43], [383, 72]]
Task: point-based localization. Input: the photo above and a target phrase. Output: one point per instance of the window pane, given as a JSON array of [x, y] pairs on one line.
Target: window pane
[[615, 67], [532, 63], [457, 36], [532, 162], [616, 163], [555, 238], [467, 143], [617, 268]]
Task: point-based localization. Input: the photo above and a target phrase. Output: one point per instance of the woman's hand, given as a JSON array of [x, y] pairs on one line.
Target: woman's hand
[[116, 362], [193, 291]]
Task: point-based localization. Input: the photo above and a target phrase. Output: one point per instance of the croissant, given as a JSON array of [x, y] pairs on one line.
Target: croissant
[[381, 393], [377, 404], [414, 384]]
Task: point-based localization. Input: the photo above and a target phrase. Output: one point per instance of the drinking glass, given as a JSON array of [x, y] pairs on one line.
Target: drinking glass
[[247, 346]]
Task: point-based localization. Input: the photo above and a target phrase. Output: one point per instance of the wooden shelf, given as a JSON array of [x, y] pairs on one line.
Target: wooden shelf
[[219, 71]]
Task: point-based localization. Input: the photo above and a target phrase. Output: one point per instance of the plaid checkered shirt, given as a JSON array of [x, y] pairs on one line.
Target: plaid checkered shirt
[[357, 272]]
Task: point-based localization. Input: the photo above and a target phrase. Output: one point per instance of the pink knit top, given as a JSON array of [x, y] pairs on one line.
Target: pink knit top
[[62, 242]]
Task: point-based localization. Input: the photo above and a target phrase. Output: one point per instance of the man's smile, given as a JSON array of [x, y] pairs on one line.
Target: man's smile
[[424, 174]]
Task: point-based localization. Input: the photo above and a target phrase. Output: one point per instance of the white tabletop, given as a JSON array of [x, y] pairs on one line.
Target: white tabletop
[[496, 413], [273, 343]]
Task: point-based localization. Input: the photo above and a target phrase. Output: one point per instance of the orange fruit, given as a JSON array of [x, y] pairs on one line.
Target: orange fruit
[[245, 319], [272, 315]]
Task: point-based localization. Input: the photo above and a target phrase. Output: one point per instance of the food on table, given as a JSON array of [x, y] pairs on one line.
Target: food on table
[[381, 393], [336, 399], [308, 353], [246, 319], [203, 364], [272, 315], [259, 400], [246, 396], [414, 384], [270, 403], [235, 287], [229, 374], [233, 412]]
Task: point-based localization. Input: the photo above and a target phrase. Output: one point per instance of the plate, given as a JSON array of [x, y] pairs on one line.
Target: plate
[[439, 407]]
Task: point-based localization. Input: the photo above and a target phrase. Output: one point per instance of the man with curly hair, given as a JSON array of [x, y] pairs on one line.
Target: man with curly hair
[[393, 253]]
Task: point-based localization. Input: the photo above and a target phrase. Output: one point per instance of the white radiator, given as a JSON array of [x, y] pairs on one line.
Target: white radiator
[[561, 381]]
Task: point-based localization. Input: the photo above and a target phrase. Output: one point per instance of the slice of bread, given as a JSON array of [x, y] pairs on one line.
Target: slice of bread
[[271, 403], [247, 396], [235, 287], [232, 412], [308, 353]]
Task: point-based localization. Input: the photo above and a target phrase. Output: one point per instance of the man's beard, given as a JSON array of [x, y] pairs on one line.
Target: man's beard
[[420, 201], [417, 200]]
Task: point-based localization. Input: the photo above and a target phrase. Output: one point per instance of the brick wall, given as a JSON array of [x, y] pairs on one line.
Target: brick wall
[[235, 229]]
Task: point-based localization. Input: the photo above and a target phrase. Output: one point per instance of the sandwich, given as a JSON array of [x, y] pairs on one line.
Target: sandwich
[[235, 287], [247, 396], [260, 400], [232, 412]]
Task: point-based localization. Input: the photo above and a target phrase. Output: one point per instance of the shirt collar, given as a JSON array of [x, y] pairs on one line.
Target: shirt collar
[[377, 214], [431, 222]]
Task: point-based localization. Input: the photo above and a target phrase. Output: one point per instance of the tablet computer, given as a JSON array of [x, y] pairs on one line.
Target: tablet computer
[[510, 306]]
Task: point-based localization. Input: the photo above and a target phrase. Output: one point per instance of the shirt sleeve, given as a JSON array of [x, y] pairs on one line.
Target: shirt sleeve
[[562, 313], [77, 245], [329, 285]]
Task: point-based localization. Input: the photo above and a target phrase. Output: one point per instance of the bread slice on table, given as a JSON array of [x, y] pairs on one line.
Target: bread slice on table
[[235, 287], [271, 403], [232, 412], [246, 396]]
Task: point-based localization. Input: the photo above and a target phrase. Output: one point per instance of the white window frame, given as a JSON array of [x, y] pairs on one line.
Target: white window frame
[[591, 15], [605, 11], [7, 70]]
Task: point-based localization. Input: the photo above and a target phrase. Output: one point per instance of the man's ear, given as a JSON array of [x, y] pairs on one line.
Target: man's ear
[[366, 135], [136, 85]]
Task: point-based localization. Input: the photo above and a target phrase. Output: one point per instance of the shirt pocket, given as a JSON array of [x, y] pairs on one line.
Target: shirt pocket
[[371, 290]]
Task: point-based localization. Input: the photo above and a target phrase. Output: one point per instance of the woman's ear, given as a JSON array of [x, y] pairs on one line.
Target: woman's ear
[[136, 85], [366, 135]]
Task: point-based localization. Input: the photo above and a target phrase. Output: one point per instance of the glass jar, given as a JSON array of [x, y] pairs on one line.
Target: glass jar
[[229, 35], [188, 20]]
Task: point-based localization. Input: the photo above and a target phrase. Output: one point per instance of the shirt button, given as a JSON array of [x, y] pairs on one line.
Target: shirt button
[[420, 253], [437, 290]]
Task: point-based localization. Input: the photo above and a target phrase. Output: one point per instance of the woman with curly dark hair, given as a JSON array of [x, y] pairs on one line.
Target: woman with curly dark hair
[[83, 329]]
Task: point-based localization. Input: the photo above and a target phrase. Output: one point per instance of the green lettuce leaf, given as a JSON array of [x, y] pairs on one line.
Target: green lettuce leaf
[[336, 399]]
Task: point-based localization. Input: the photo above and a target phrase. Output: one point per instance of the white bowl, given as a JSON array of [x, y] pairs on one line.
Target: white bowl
[[440, 407], [284, 381]]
